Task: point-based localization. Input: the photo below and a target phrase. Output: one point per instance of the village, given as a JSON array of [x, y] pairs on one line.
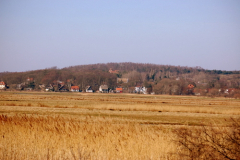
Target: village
[[139, 88], [60, 86]]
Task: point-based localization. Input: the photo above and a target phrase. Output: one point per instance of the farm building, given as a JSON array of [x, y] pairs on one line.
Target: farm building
[[103, 89]]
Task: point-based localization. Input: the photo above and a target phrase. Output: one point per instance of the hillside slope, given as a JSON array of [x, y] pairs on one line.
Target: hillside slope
[[162, 79]]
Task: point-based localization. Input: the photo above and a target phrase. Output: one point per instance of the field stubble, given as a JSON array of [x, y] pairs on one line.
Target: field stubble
[[102, 126]]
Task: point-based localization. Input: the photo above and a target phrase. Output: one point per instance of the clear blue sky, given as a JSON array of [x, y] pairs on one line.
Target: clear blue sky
[[41, 34]]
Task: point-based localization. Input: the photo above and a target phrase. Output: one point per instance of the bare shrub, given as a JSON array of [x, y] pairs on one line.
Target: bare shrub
[[209, 142]]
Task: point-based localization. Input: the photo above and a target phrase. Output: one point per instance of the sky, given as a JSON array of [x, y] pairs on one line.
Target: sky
[[38, 34]]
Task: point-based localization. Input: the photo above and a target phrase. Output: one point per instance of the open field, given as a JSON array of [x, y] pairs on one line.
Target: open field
[[39, 125], [158, 109]]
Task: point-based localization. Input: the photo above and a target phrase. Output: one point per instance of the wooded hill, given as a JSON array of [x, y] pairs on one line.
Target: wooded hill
[[162, 79]]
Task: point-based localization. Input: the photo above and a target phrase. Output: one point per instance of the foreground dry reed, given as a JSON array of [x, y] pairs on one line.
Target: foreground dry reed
[[38, 125], [209, 142], [48, 137]]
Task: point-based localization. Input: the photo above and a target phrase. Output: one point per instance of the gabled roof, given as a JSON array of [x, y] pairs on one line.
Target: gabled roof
[[113, 71], [2, 83], [75, 87], [88, 88], [190, 86], [119, 89]]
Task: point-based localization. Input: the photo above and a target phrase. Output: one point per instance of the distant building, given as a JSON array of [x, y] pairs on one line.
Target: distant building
[[190, 89], [42, 86], [119, 90], [2, 85], [28, 89], [122, 80], [89, 89], [20, 86], [49, 87], [74, 89], [141, 89], [59, 86], [229, 91], [190, 86], [113, 71], [103, 89], [29, 79]]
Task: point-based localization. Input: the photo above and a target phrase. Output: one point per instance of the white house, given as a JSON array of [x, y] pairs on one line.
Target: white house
[[140, 89], [2, 85], [103, 89], [89, 89]]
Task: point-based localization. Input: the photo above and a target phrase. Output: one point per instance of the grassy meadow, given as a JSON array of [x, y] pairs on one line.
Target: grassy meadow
[[42, 125]]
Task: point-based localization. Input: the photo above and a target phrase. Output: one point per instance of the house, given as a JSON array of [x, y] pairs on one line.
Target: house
[[49, 88], [190, 86], [41, 86], [74, 89], [64, 89], [20, 86], [29, 79], [119, 90], [89, 89], [140, 89], [122, 80], [190, 89], [2, 85], [30, 82], [113, 71], [229, 91], [103, 89], [59, 86], [69, 84]]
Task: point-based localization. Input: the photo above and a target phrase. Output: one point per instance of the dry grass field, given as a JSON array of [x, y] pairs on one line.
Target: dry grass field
[[40, 125]]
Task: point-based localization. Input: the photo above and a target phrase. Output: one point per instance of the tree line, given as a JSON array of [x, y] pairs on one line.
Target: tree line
[[162, 79]]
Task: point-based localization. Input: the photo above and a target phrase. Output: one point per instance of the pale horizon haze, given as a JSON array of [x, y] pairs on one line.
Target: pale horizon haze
[[41, 34]]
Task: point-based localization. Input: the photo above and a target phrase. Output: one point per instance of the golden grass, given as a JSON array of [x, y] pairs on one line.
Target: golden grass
[[38, 137], [125, 102], [38, 125]]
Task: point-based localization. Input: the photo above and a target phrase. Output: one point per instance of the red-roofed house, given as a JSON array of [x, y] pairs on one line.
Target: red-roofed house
[[190, 86], [75, 89], [190, 89], [2, 85], [119, 90], [29, 79], [229, 91], [113, 71]]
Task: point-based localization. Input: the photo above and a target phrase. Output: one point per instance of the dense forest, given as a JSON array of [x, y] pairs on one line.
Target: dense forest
[[159, 79]]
